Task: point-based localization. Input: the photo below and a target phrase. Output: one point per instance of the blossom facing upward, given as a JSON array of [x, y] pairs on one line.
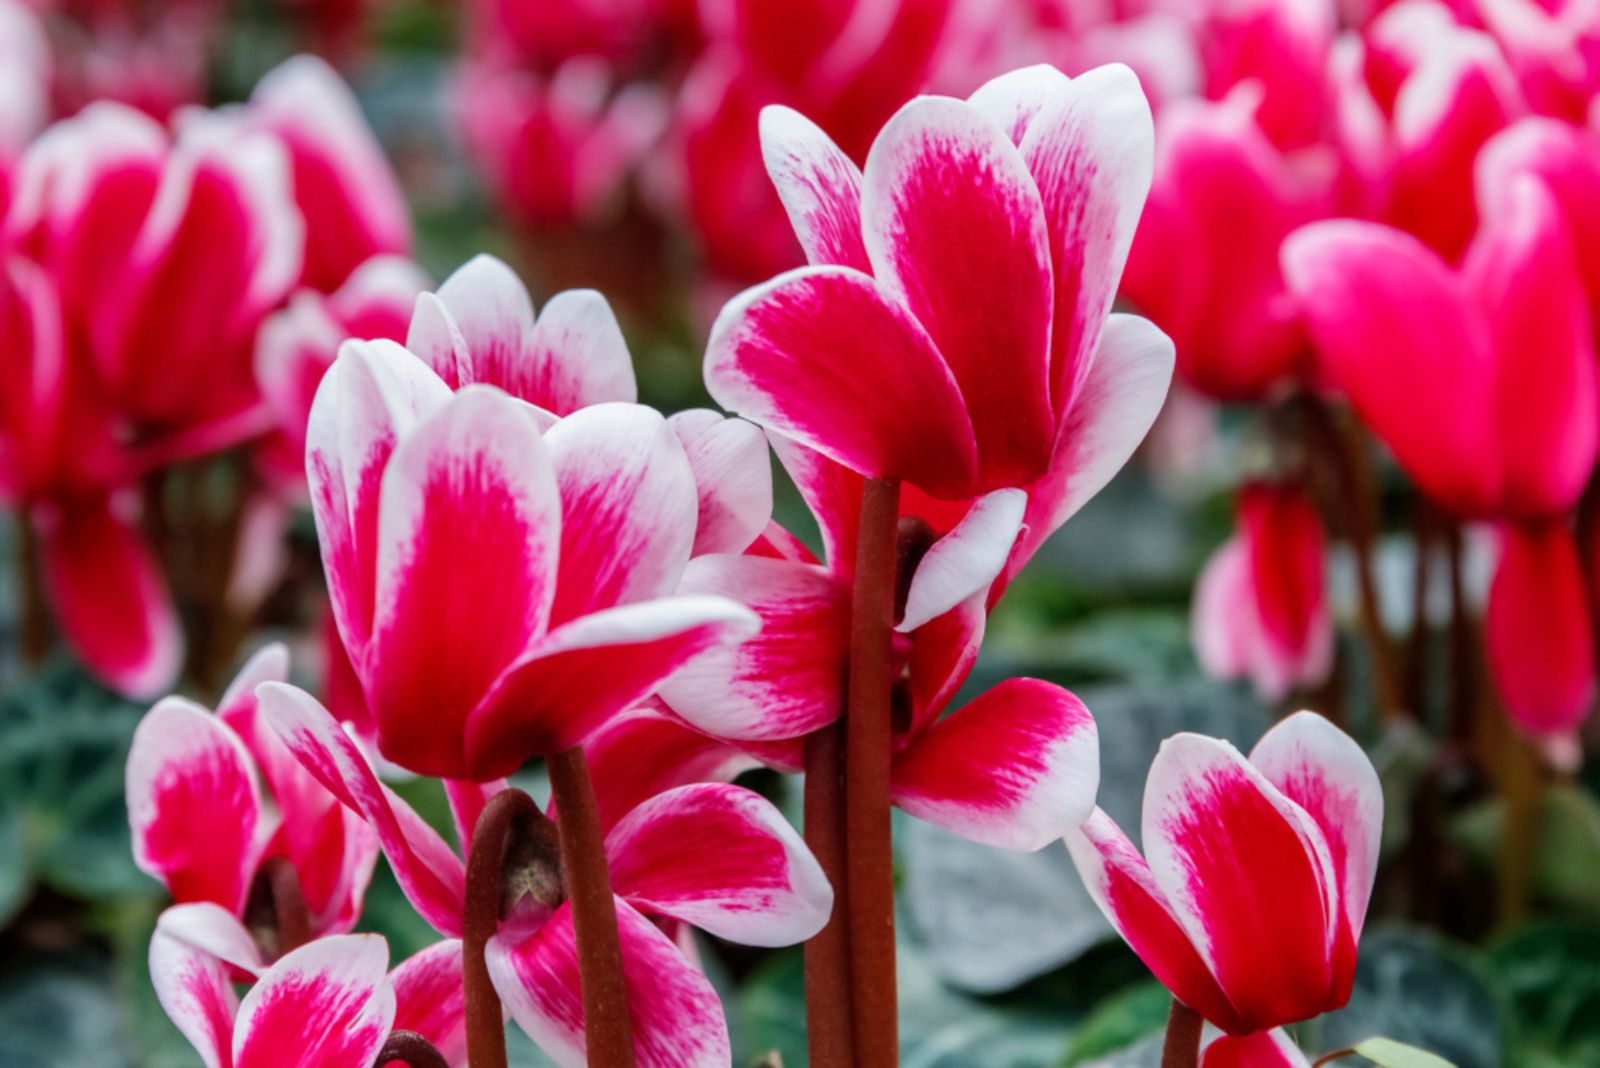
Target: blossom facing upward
[[1249, 898]]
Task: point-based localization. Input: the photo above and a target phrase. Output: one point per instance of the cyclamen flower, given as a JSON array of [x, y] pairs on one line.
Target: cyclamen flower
[[502, 588], [330, 1002], [1207, 273], [201, 825], [1261, 606], [1249, 899], [1263, 1049], [750, 879], [1418, 94], [1554, 49]]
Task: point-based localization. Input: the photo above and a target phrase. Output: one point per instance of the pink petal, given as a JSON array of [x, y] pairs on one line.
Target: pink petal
[[436, 339], [754, 882], [342, 182], [370, 398], [1538, 633], [943, 652], [1319, 768], [1264, 1049], [239, 709], [628, 508], [1525, 275], [109, 594], [1286, 588], [1015, 768], [587, 671], [1112, 410], [789, 678], [1122, 884], [1248, 875], [467, 547], [732, 475], [430, 1000], [967, 559], [955, 230], [209, 928], [823, 356], [833, 494], [193, 805], [467, 801], [431, 874], [1091, 150], [577, 356], [1391, 323], [192, 983], [819, 185], [328, 1002], [1225, 632], [644, 752], [1012, 100], [677, 1018]]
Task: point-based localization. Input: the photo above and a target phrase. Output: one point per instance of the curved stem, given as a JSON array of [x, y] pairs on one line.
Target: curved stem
[[291, 919], [827, 953], [607, 1023], [408, 1047], [500, 818], [1329, 1058], [1184, 1027], [869, 871]]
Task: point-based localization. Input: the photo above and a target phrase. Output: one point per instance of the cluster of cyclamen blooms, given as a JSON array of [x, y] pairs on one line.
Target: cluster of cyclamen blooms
[[524, 562], [169, 292]]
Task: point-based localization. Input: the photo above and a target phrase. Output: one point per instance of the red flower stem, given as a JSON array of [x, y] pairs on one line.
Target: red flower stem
[[827, 955], [1184, 1027], [869, 864], [34, 639], [607, 1025], [499, 820], [1522, 784], [1355, 510], [410, 1048], [291, 920]]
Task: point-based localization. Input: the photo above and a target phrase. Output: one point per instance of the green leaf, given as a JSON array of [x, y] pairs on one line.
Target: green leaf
[[1551, 974], [1568, 850], [1387, 1053], [1120, 1021]]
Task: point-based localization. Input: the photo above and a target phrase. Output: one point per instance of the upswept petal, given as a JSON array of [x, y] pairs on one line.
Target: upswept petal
[[576, 357], [1321, 769], [370, 398], [1112, 410], [628, 508], [1016, 767], [437, 341], [328, 1002], [754, 881], [819, 185], [955, 231], [1012, 100], [1091, 150], [1538, 632], [239, 709], [1224, 634], [192, 982], [587, 671], [430, 999], [490, 307], [1248, 875], [732, 475], [943, 651], [832, 492], [431, 874], [677, 1017], [647, 751], [467, 800], [109, 594], [1391, 323], [468, 532], [1264, 1049], [788, 679], [967, 559], [823, 356], [1524, 272], [193, 805], [1124, 887]]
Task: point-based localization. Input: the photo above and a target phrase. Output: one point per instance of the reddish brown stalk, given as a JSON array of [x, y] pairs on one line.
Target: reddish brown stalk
[[291, 919], [827, 954], [1184, 1027], [1464, 702], [410, 1048], [1354, 511], [34, 640], [506, 813], [607, 1025], [1522, 785], [869, 871]]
